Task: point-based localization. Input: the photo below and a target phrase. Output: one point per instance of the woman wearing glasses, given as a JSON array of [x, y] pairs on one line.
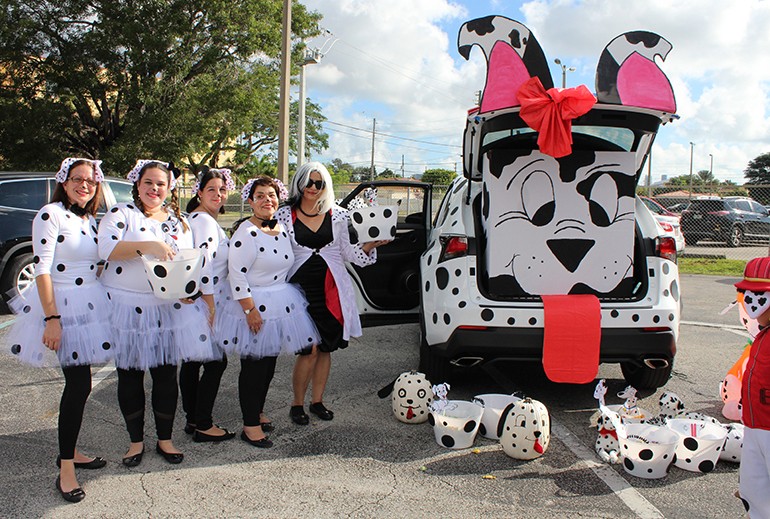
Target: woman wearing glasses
[[319, 234], [270, 314], [65, 311]]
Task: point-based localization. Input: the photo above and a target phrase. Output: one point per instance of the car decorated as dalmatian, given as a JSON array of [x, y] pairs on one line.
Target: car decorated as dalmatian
[[540, 251]]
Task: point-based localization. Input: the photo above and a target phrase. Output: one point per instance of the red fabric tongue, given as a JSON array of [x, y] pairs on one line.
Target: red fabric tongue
[[538, 447], [573, 332], [409, 413]]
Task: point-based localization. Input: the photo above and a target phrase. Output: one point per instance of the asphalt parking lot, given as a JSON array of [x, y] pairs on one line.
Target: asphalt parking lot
[[365, 463]]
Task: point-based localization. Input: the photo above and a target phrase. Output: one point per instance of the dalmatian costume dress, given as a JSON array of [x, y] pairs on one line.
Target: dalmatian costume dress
[[65, 247], [212, 240], [258, 267], [148, 331]]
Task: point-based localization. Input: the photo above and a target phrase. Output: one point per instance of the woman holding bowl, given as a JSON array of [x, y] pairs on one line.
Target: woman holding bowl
[[66, 310], [200, 390], [319, 235], [271, 312], [150, 333]]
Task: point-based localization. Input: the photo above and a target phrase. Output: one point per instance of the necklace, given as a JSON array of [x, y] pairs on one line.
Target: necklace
[[303, 212]]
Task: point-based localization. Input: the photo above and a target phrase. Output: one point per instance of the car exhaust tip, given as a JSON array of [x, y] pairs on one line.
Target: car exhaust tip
[[656, 363], [467, 362]]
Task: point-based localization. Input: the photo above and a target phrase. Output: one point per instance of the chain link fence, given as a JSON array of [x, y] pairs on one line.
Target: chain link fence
[[731, 222]]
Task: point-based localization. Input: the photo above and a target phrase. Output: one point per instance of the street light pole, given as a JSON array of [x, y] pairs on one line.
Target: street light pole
[[711, 171], [691, 147], [564, 71]]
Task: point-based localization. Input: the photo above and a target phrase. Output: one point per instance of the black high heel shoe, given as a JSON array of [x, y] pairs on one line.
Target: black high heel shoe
[[172, 457], [96, 463], [73, 496], [133, 461]]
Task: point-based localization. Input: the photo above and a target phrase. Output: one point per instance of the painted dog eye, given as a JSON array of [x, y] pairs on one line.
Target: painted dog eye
[[402, 392], [421, 393]]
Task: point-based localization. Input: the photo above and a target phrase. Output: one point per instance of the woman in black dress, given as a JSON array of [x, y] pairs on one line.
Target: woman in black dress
[[319, 233]]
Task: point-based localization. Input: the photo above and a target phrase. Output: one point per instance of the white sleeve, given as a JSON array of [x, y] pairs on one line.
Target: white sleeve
[[45, 233], [205, 237], [112, 229], [240, 258]]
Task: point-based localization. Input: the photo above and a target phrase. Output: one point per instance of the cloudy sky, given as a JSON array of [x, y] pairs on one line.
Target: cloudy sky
[[396, 61]]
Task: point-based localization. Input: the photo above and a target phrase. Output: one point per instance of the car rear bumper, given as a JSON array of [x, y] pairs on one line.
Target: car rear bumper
[[617, 344]]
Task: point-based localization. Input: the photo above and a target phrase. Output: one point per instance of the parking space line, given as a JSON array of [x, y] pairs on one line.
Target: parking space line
[[102, 374], [7, 323]]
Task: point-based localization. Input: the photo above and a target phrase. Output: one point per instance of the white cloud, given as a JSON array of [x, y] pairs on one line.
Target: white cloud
[[397, 61]]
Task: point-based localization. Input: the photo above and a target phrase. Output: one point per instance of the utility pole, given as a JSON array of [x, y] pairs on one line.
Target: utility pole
[[283, 112], [374, 126], [402, 167]]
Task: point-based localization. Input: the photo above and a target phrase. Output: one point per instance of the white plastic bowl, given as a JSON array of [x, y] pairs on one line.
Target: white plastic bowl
[[456, 425], [175, 279]]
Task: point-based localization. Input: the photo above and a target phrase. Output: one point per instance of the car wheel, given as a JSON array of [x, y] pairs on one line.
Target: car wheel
[[690, 240], [645, 377], [19, 274], [736, 237], [437, 369]]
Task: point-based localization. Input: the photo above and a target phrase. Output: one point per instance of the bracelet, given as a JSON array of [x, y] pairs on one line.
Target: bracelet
[[212, 310], [46, 319]]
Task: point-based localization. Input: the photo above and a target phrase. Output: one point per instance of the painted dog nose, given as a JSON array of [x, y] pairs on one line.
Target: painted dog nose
[[537, 434]]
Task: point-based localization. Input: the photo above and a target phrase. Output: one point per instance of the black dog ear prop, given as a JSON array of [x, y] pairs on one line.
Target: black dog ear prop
[[503, 416], [384, 392]]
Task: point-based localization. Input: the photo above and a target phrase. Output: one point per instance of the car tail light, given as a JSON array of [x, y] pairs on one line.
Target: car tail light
[[667, 226], [665, 247], [719, 213], [454, 247], [468, 327]]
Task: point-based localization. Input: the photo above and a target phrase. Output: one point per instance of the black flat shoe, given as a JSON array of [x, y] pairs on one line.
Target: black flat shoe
[[319, 410], [264, 443], [189, 429], [267, 426], [96, 463], [73, 496], [298, 415], [173, 458], [201, 437], [133, 461]]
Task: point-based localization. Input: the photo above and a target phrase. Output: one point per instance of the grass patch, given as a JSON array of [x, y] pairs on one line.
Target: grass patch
[[715, 267]]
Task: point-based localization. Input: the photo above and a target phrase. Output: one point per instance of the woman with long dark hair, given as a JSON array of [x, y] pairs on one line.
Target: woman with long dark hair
[[319, 234], [200, 390], [270, 314], [66, 310], [150, 333]]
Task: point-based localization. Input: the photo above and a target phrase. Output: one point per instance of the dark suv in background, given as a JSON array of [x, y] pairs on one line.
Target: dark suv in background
[[22, 194], [733, 220]]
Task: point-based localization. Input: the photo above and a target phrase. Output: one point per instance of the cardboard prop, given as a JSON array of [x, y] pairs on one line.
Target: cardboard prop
[[494, 404], [175, 279], [733, 443], [525, 429], [730, 387]]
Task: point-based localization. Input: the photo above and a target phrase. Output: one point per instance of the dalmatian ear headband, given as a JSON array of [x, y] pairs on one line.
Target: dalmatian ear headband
[[756, 303], [64, 169], [229, 184], [283, 194], [133, 175]]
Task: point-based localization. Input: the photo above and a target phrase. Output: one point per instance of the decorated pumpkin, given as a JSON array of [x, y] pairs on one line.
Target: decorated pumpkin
[[524, 429], [411, 397]]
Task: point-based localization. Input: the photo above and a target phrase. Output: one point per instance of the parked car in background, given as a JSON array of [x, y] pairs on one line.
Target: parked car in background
[[22, 194], [734, 220], [678, 208], [668, 220]]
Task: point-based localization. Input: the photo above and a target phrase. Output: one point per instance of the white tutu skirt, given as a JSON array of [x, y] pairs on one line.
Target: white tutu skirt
[[150, 332], [85, 322], [286, 324], [222, 297]]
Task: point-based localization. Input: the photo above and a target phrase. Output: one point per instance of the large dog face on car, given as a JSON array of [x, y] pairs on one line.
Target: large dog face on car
[[559, 226]]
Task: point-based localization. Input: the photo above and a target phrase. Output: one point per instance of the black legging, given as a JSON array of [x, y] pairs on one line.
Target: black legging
[[253, 383], [200, 391], [77, 387], [164, 397]]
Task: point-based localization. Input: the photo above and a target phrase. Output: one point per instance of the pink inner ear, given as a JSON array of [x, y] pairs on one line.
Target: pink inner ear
[[505, 74], [641, 83]]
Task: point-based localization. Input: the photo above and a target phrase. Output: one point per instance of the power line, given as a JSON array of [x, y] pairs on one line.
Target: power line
[[393, 136]]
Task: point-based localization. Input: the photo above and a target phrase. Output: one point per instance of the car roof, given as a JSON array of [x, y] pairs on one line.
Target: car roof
[[16, 175]]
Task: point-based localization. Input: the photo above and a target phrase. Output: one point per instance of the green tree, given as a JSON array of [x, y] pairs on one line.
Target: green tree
[[120, 80], [707, 177], [438, 176], [340, 171], [758, 170]]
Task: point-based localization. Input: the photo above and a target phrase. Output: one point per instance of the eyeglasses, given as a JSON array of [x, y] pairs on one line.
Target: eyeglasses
[[79, 180], [319, 184]]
